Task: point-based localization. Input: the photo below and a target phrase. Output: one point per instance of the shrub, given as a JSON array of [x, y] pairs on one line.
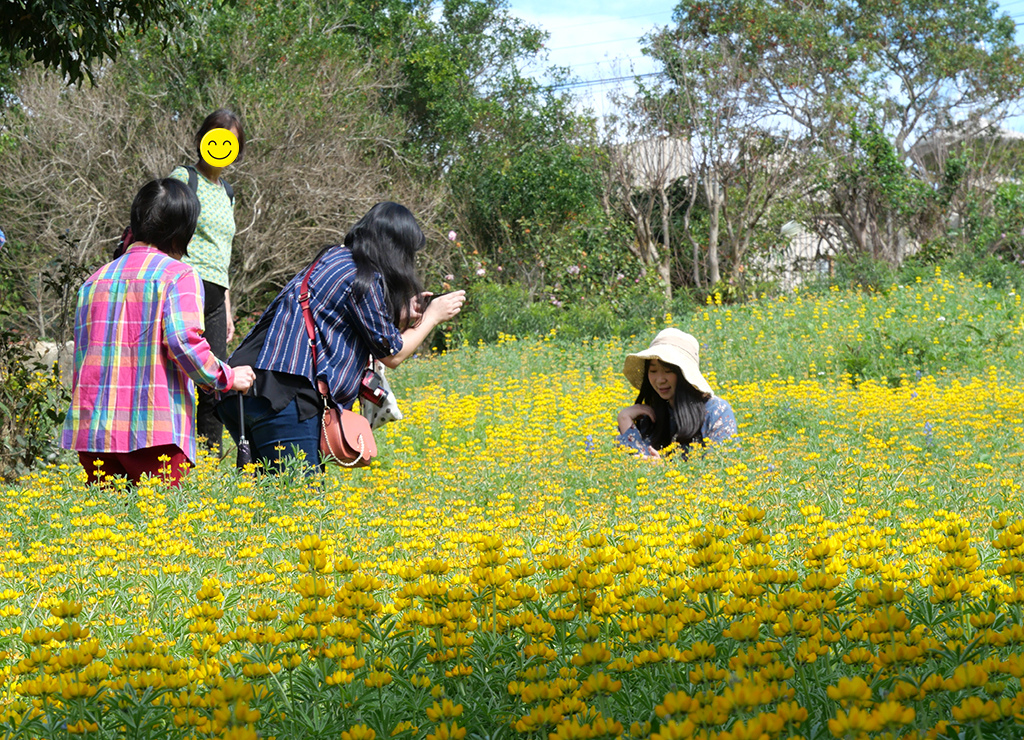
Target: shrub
[[32, 406], [494, 309]]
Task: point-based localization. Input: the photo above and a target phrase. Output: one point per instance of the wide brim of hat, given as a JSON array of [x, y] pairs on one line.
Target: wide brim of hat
[[635, 364]]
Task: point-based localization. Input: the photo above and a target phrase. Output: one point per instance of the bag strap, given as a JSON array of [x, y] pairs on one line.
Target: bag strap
[[307, 314]]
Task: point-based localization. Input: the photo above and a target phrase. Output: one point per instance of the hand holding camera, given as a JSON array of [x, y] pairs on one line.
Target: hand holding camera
[[440, 308]]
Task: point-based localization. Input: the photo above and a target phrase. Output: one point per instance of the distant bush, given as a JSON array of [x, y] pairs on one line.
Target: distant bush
[[493, 309]]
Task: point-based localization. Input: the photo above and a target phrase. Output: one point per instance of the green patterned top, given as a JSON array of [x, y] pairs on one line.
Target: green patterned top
[[210, 249]]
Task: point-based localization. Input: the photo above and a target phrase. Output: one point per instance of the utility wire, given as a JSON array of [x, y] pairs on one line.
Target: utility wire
[[597, 83]]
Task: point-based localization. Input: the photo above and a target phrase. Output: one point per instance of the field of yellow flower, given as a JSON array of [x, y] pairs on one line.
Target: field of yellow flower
[[851, 566]]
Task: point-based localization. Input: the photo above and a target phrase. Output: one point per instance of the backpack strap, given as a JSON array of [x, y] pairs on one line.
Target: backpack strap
[[193, 183], [193, 179]]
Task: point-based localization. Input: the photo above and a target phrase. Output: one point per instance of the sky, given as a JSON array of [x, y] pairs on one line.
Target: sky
[[600, 41]]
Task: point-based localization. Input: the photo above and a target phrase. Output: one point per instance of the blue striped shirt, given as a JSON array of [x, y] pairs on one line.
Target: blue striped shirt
[[349, 329]]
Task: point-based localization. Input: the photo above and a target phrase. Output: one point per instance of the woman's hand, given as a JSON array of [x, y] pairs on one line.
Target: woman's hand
[[244, 377], [413, 313], [630, 414], [444, 307]]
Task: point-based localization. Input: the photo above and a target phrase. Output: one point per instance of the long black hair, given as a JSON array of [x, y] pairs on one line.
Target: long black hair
[[164, 214], [687, 412], [386, 241]]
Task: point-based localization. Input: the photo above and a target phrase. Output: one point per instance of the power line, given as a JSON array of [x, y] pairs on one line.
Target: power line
[[616, 60], [597, 83]]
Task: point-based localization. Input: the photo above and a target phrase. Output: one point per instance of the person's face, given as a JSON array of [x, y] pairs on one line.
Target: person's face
[[663, 379]]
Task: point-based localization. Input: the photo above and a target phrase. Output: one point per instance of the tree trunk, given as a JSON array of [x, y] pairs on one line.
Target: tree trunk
[[714, 196], [696, 263], [665, 264]]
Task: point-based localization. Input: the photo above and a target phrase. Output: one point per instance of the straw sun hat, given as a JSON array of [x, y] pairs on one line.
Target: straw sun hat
[[672, 347]]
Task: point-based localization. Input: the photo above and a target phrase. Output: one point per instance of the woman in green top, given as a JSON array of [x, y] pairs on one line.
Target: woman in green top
[[209, 253]]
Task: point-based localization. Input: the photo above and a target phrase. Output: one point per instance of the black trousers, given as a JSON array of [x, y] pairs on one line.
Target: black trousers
[[215, 316]]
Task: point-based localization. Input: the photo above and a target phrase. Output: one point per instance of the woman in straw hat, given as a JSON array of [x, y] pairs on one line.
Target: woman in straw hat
[[675, 403]]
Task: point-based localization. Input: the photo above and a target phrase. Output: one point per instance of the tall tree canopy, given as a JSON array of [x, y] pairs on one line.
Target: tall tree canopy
[[903, 69], [70, 36]]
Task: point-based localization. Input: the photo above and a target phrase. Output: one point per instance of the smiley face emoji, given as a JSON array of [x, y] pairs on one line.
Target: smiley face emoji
[[219, 147]]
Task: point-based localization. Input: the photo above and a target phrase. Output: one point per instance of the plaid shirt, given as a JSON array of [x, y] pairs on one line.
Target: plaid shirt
[[349, 329], [138, 349]]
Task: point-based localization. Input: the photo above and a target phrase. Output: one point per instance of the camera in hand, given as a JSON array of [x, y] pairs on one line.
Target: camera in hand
[[370, 388], [645, 425]]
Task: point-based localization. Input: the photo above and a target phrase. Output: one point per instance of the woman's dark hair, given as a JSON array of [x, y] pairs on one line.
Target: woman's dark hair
[[386, 241], [164, 214], [222, 118], [687, 412]]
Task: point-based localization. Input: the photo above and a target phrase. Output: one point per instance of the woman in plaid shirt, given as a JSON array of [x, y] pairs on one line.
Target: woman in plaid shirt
[[139, 348]]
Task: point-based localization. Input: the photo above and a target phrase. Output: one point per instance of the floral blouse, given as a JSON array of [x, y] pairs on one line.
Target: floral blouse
[[719, 425]]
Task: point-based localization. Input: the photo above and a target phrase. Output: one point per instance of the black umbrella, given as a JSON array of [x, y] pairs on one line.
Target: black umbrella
[[244, 454]]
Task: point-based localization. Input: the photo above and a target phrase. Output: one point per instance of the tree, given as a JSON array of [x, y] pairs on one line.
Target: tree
[[70, 36], [460, 75], [736, 161], [645, 160], [911, 67]]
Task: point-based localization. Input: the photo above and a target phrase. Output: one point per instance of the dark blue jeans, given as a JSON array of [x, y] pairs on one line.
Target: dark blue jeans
[[274, 438]]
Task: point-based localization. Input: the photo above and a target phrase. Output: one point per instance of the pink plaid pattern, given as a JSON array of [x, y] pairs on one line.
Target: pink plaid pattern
[[139, 347]]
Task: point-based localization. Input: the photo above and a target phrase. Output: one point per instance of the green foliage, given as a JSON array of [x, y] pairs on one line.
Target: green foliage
[[528, 189], [32, 400], [460, 73], [32, 407], [511, 192], [493, 310], [877, 169], [70, 36]]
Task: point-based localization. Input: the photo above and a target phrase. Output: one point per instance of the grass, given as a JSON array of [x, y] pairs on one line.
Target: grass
[[849, 566]]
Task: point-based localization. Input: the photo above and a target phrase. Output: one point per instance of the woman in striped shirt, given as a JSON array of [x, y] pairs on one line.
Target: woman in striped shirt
[[139, 348], [366, 301]]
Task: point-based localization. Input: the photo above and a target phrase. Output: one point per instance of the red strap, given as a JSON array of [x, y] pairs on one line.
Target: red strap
[[307, 314]]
